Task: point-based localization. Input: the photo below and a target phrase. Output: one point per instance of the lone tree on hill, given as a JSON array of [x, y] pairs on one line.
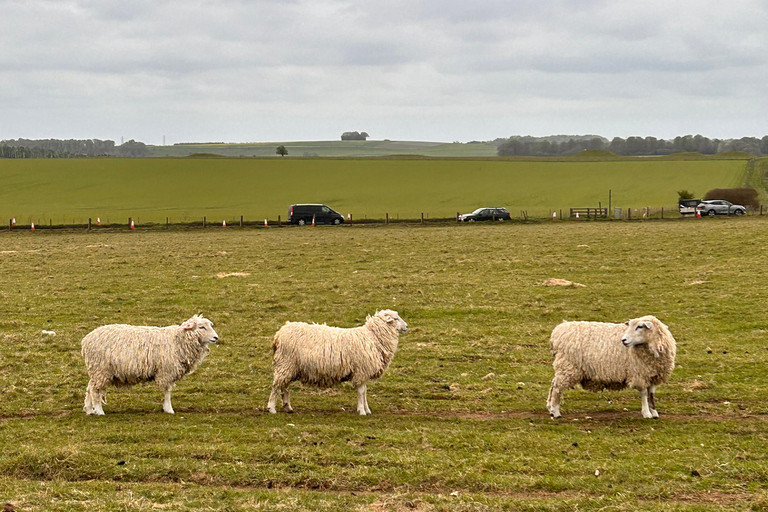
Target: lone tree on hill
[[354, 136], [281, 150]]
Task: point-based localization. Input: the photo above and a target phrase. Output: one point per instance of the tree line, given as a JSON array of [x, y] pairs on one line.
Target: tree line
[[55, 148], [631, 146]]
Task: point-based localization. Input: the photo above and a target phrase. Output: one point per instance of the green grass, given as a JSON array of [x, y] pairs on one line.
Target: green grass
[[459, 420], [186, 190]]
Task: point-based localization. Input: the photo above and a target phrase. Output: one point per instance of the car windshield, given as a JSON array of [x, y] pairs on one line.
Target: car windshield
[[478, 210]]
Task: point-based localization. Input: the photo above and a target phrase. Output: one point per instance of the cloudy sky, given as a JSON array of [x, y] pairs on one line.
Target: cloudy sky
[[448, 70]]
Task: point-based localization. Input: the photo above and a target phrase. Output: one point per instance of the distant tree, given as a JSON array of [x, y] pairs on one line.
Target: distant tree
[[281, 150], [132, 149], [354, 136], [682, 195]]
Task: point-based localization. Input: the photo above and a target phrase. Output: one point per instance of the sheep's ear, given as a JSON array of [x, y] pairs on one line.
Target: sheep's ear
[[189, 324], [387, 316], [648, 324]]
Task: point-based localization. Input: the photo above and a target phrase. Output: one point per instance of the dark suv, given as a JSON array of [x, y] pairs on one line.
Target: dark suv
[[302, 214], [485, 214]]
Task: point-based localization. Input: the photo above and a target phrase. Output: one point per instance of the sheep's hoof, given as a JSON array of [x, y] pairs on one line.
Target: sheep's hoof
[[271, 410], [169, 411], [552, 416], [288, 409]]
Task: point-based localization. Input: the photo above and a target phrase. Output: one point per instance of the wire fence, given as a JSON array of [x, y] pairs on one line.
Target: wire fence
[[561, 215]]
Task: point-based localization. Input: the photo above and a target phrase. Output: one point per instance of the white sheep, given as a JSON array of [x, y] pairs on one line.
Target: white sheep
[[323, 356], [124, 355], [638, 354]]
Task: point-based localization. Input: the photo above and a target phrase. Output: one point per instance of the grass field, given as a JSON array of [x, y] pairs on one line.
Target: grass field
[[335, 148], [186, 190], [459, 421]]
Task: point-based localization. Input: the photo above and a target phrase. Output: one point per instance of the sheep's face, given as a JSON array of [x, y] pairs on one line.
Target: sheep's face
[[202, 327], [391, 317], [639, 332]]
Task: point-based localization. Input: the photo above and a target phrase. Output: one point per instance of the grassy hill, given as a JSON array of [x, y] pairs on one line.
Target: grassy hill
[[186, 189], [334, 148]]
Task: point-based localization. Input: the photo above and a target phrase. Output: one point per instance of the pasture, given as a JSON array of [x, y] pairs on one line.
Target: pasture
[[459, 420], [186, 190], [331, 148]]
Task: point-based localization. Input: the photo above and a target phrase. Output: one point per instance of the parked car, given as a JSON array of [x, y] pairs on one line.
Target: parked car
[[688, 206], [302, 214], [486, 214], [720, 207]]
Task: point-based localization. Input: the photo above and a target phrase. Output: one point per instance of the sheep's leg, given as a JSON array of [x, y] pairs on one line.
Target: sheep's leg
[[646, 410], [88, 407], [362, 406], [167, 407], [559, 384], [367, 409], [94, 397], [652, 401], [286, 398], [273, 399], [97, 398]]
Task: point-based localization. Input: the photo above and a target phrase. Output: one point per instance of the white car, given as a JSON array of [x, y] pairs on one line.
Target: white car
[[720, 207]]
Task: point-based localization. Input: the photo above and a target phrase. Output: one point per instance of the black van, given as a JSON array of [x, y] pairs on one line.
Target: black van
[[302, 214]]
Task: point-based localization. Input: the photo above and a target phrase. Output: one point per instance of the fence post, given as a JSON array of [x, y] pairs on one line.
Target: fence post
[[422, 217], [457, 216], [241, 220], [203, 221], [662, 212], [89, 223], [386, 218], [167, 221]]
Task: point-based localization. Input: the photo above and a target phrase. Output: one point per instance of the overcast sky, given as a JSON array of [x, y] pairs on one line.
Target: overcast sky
[[448, 70]]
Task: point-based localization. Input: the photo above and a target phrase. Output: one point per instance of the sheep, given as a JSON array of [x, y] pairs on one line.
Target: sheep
[[323, 356], [639, 354], [124, 355]]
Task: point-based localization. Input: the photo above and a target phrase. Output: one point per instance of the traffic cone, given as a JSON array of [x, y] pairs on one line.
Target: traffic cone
[[224, 223], [98, 221], [133, 226], [13, 221], [32, 228], [554, 215], [266, 224], [698, 214], [577, 215], [313, 220], [349, 216]]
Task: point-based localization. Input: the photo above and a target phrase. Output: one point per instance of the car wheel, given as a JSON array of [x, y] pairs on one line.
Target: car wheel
[[336, 222], [302, 222], [471, 220], [711, 213], [739, 212]]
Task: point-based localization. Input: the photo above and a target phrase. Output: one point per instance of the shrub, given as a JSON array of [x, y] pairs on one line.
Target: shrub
[[744, 196]]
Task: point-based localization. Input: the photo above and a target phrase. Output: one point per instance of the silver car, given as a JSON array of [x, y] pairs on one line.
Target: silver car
[[720, 207]]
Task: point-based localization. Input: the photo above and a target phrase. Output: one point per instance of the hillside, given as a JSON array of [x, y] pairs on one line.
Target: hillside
[[333, 148], [187, 189]]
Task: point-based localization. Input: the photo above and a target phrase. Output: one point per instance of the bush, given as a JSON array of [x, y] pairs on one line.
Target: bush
[[743, 196]]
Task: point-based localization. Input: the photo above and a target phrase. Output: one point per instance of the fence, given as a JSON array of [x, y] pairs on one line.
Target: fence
[[423, 218]]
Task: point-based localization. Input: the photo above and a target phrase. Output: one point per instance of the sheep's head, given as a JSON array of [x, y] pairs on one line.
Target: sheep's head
[[202, 327], [643, 331], [392, 318]]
